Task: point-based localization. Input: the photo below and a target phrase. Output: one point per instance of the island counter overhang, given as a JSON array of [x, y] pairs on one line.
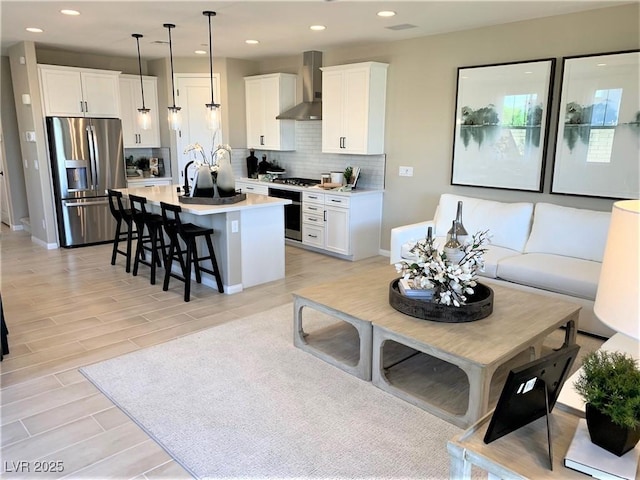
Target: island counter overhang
[[248, 236]]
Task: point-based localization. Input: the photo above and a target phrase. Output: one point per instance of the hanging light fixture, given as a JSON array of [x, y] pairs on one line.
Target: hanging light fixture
[[144, 119], [174, 112], [213, 108]]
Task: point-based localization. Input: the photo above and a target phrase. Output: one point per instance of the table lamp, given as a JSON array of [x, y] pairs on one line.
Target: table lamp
[[617, 301]]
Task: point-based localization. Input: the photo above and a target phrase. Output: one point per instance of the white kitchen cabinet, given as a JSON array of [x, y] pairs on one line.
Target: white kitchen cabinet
[[79, 92], [336, 227], [249, 187], [353, 108], [130, 101], [133, 182], [347, 225], [267, 96]]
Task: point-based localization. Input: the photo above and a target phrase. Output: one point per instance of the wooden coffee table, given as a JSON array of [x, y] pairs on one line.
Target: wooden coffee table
[[444, 368]]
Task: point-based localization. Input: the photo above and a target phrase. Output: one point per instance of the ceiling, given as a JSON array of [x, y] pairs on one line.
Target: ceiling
[[282, 28]]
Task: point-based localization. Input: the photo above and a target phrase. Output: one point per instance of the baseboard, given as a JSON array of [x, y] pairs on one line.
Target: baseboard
[[48, 246], [384, 253]]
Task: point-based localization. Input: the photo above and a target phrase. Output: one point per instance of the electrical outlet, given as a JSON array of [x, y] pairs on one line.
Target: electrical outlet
[[405, 171]]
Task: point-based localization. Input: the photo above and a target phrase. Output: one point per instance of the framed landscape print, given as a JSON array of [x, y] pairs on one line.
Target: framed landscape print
[[501, 118], [598, 142]]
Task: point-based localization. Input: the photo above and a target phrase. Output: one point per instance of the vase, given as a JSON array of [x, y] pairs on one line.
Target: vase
[[606, 434], [226, 181]]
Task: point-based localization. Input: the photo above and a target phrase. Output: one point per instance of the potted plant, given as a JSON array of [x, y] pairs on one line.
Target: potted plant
[[609, 383]]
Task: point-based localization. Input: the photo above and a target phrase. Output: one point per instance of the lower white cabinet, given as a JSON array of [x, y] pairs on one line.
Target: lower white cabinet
[[149, 182], [246, 187], [348, 225]]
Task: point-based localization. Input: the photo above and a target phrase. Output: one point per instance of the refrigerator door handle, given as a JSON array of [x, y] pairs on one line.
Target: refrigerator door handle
[[87, 203], [92, 156]]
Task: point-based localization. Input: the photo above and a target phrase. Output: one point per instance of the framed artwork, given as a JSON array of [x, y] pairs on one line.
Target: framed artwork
[[598, 141], [501, 118]]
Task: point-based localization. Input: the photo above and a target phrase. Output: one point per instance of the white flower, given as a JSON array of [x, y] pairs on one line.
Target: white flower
[[450, 282]]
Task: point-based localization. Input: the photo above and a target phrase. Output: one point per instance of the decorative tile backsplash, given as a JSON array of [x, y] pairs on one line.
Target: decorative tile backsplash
[[308, 161]]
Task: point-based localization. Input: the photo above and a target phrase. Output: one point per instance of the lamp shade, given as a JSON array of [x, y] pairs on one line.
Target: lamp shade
[[618, 298]]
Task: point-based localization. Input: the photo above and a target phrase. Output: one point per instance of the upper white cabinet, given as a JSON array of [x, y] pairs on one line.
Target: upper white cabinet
[[130, 101], [79, 92], [353, 108], [267, 96]]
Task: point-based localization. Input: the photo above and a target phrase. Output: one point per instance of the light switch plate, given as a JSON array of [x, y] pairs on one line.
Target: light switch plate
[[405, 171], [30, 136]]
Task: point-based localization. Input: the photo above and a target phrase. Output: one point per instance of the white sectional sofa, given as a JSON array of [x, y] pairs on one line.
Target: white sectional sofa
[[543, 248]]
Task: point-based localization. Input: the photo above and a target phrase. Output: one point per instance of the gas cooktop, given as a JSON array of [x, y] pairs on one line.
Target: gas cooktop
[[301, 182]]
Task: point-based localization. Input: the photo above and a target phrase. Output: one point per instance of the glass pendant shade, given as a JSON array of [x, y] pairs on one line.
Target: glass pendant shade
[[144, 118], [174, 112], [214, 120], [213, 117], [175, 119]]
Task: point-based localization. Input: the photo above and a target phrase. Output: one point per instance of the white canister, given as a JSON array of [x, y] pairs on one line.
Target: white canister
[[337, 177]]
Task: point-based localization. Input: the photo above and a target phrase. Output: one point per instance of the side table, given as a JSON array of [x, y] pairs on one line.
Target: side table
[[522, 454]]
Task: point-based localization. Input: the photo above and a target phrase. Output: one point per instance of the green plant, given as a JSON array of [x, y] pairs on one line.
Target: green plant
[[347, 174], [610, 382]]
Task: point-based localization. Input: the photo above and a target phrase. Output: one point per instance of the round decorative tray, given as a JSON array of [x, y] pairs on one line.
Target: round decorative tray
[[238, 197], [478, 306]]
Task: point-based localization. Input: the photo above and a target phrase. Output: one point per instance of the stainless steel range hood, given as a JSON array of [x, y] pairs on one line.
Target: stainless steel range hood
[[311, 106]]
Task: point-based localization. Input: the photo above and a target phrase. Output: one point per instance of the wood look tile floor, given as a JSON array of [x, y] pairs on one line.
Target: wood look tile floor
[[67, 308]]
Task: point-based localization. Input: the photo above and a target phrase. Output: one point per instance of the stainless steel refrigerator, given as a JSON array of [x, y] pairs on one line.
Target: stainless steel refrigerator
[[87, 158]]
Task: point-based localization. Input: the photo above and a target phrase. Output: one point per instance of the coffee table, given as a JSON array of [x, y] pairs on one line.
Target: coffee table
[[444, 368]]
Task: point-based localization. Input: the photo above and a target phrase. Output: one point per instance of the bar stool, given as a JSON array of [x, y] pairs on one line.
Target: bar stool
[[189, 234], [121, 215], [152, 241]]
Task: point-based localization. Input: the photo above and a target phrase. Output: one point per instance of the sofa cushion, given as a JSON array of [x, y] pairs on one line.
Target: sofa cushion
[[571, 232], [556, 273], [492, 257], [508, 223]]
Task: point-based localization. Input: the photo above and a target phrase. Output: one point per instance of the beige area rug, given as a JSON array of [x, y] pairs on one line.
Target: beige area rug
[[240, 401]]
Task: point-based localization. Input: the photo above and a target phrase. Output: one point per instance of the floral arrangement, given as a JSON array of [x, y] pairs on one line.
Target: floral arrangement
[[214, 163], [451, 282]]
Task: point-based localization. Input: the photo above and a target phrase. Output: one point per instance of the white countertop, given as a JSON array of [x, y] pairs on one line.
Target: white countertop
[[317, 188], [168, 194]]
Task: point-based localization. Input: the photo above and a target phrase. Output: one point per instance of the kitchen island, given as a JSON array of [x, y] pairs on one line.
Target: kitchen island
[[249, 235]]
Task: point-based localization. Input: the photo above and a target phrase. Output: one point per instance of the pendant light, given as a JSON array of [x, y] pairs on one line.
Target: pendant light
[[174, 112], [144, 119], [213, 108]]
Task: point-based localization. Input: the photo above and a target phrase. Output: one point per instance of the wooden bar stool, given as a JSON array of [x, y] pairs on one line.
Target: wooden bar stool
[[121, 215], [189, 234], [152, 241]]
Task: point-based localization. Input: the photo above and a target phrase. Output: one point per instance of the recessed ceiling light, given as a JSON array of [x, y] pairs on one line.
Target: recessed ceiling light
[[252, 42], [317, 28], [528, 72], [386, 13], [69, 12], [34, 30], [200, 52], [601, 65]]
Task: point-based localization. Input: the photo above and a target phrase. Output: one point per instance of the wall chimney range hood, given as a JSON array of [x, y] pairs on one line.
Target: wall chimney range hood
[[311, 106]]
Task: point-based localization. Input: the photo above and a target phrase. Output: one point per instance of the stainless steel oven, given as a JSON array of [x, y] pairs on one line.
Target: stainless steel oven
[[292, 213]]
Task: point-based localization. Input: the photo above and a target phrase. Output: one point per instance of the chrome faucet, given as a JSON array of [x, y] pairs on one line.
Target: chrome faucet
[[186, 178]]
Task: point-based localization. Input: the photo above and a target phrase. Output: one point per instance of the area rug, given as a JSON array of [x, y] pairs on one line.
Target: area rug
[[240, 401]]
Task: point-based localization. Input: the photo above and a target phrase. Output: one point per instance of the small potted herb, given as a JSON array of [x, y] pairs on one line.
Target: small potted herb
[[609, 383]]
